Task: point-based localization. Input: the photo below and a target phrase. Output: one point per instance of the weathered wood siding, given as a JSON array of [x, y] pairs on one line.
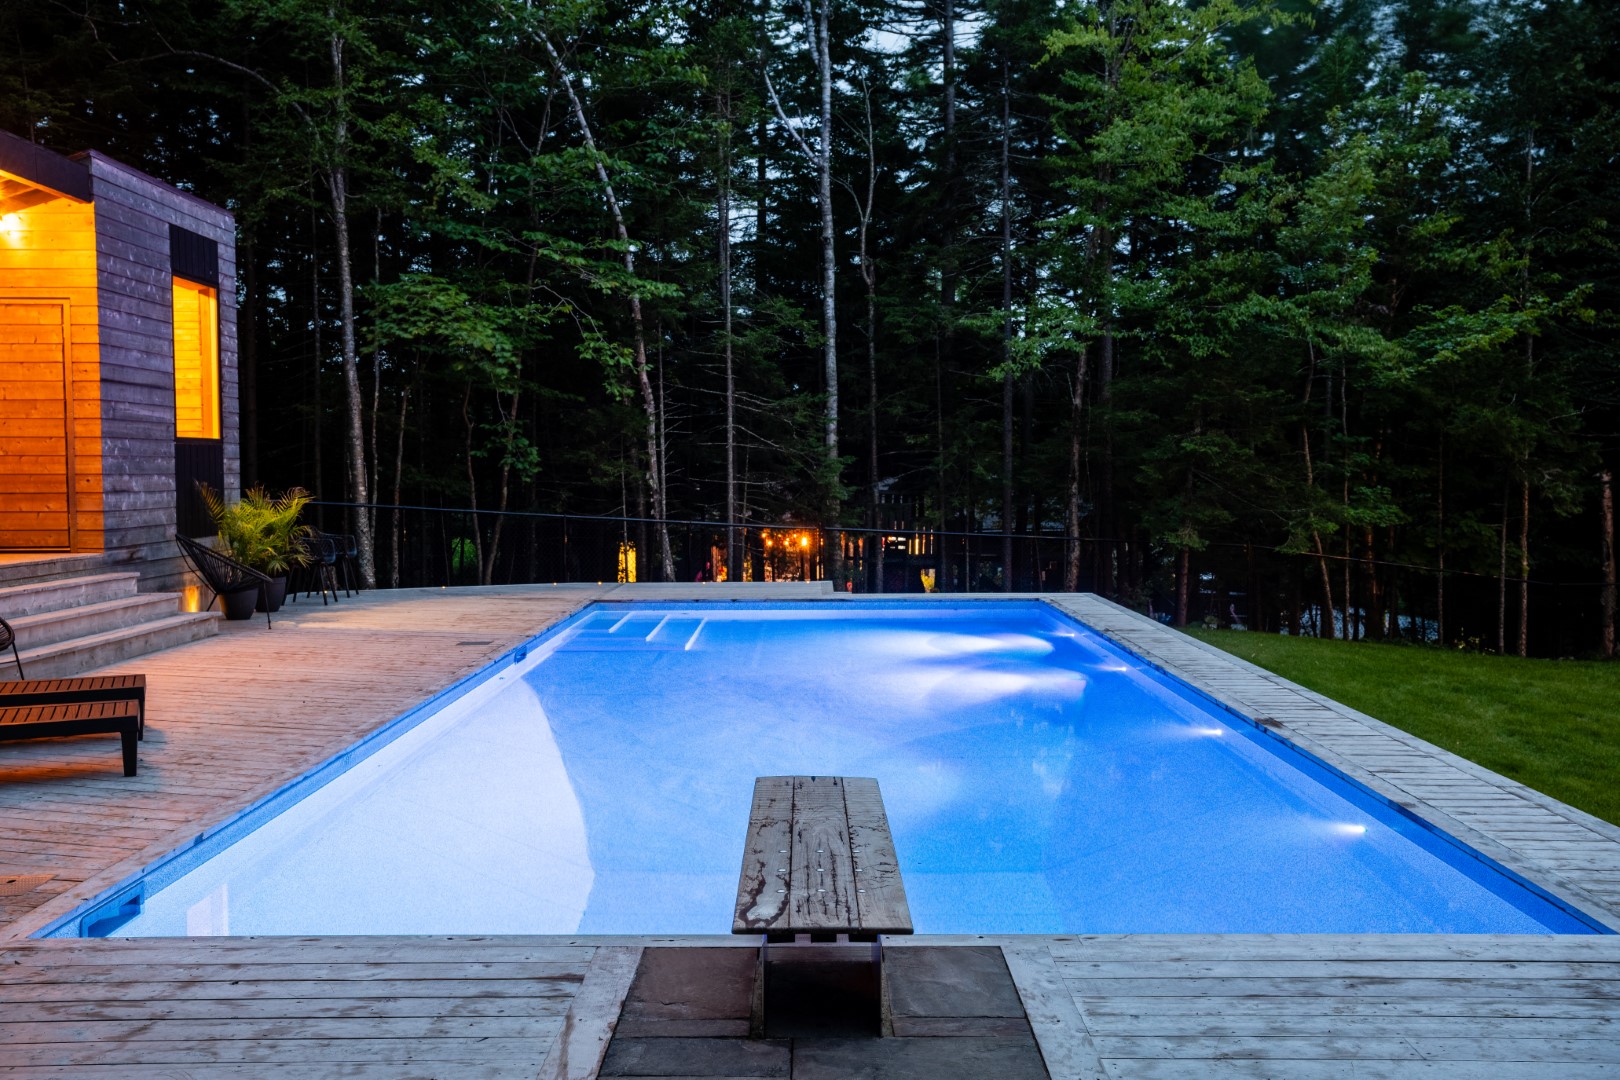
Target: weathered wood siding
[[133, 215], [50, 400]]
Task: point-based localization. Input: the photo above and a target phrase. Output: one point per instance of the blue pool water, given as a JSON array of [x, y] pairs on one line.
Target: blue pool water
[[1037, 779]]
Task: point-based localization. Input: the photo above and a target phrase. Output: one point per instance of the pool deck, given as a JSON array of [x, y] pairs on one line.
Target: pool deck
[[234, 717]]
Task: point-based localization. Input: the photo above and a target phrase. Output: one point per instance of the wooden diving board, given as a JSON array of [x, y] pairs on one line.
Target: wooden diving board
[[819, 860]]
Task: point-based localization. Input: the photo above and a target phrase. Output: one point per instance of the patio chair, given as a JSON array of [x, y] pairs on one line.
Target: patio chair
[[320, 567], [8, 640], [223, 574], [348, 552]]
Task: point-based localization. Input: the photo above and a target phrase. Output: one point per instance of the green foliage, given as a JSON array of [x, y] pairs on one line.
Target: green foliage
[[262, 530], [1283, 274]]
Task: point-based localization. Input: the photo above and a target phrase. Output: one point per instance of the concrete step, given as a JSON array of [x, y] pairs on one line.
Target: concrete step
[[19, 601], [82, 655], [86, 620], [21, 569]]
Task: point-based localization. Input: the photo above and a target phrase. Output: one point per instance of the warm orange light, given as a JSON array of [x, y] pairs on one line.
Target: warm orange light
[[804, 541], [196, 361]]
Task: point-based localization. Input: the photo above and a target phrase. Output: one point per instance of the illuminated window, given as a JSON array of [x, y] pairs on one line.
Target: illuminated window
[[196, 361]]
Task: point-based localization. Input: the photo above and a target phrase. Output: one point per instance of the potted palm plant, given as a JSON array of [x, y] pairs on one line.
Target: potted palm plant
[[262, 531]]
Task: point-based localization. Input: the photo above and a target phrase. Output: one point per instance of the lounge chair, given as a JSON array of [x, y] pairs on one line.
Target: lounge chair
[[90, 718], [223, 574], [78, 690], [8, 640]]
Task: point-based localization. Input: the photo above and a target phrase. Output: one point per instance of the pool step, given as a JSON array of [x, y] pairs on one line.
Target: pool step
[[635, 632], [676, 632]]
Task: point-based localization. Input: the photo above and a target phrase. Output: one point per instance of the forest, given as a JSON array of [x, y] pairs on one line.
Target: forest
[[1285, 314]]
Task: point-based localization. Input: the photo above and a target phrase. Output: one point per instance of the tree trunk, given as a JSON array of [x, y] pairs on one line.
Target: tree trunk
[[947, 124], [486, 574], [1501, 580], [472, 483], [1107, 521], [1606, 480], [869, 279], [1316, 537], [723, 212], [1440, 544], [829, 281], [399, 470], [648, 402], [1006, 337], [247, 330], [338, 186], [373, 456], [1183, 573], [1524, 568], [317, 409], [939, 435], [1071, 517], [247, 322]]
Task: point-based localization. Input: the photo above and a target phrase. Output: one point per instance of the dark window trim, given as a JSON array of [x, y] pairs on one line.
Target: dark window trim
[[194, 257]]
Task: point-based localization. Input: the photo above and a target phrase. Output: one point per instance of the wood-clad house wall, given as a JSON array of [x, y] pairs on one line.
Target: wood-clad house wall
[[50, 398], [136, 293]]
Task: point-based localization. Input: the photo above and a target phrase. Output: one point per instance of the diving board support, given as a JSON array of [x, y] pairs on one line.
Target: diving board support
[[819, 864]]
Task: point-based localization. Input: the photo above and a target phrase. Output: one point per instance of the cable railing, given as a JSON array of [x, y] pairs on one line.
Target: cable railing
[[420, 546], [1227, 585]]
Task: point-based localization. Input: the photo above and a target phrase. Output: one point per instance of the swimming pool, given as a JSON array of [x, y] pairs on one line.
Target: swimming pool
[[1038, 779]]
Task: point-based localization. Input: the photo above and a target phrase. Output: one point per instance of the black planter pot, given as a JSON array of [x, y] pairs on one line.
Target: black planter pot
[[240, 604], [272, 593]]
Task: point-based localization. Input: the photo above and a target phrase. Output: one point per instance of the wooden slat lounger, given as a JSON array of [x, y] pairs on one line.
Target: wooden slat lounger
[[83, 689], [94, 718]]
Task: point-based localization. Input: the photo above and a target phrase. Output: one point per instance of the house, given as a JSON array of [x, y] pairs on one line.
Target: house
[[118, 388]]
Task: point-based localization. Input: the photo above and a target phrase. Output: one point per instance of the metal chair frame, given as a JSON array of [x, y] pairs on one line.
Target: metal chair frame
[[320, 568], [8, 639], [220, 572]]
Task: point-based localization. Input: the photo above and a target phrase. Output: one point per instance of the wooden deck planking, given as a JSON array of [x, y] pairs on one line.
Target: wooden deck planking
[[232, 718], [204, 1006], [1188, 1006]]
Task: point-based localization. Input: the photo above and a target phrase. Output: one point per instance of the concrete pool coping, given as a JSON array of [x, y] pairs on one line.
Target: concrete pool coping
[[1116, 1006]]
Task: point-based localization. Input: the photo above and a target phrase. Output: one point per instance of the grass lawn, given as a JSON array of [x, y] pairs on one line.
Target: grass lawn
[[1551, 724]]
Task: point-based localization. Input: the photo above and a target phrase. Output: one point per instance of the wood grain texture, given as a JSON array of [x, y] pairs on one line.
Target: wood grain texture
[[762, 897], [821, 889], [819, 859], [880, 893], [1374, 1005], [134, 212], [49, 385], [588, 1026], [309, 1007]]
